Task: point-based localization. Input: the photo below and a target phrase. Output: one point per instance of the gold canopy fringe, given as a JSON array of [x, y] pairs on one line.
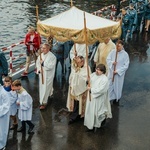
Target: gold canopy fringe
[[63, 34]]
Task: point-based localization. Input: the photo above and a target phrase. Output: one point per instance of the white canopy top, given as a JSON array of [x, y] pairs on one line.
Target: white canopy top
[[74, 19], [69, 25]]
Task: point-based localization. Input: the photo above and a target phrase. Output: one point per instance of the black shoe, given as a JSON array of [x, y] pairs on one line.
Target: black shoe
[[116, 102], [31, 129], [103, 123], [71, 121], [14, 126], [89, 130], [21, 129]]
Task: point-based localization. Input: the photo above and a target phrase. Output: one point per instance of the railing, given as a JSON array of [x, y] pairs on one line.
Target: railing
[[11, 56], [108, 12]]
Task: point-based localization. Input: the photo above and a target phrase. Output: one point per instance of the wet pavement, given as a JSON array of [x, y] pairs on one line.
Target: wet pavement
[[129, 127], [127, 130]]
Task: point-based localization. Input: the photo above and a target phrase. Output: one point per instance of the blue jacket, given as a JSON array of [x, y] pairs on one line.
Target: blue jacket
[[140, 9], [133, 16], [126, 22], [3, 64], [58, 49]]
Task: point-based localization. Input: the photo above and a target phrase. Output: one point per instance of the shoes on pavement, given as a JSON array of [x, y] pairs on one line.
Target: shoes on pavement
[[31, 129], [89, 130], [71, 121], [116, 102], [103, 123], [24, 74]]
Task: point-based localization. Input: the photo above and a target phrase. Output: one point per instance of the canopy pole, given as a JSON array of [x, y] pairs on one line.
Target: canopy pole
[[74, 63], [71, 3], [37, 12], [75, 50], [115, 65], [42, 76], [85, 35], [37, 18]]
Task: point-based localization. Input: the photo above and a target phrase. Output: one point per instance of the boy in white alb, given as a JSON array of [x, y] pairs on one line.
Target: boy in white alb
[[24, 103]]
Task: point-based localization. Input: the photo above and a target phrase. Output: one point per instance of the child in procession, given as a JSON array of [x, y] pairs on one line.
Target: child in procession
[[13, 98], [24, 103]]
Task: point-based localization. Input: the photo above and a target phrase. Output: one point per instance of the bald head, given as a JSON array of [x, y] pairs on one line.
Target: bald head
[[45, 48]]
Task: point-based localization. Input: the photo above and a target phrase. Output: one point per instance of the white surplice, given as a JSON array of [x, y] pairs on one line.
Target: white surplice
[[48, 67], [115, 88], [98, 105], [4, 116], [25, 107]]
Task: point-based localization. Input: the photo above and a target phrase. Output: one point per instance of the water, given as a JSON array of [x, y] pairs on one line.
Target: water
[[17, 15]]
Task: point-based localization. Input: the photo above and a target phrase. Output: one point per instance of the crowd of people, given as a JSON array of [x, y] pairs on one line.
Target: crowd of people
[[14, 99], [134, 18], [90, 92]]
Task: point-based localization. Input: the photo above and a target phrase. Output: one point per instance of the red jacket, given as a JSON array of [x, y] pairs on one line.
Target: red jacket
[[36, 41]]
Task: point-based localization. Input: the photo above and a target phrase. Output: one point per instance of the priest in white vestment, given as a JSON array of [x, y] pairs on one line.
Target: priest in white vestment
[[117, 68], [4, 116], [45, 64], [98, 105], [102, 52], [77, 92]]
